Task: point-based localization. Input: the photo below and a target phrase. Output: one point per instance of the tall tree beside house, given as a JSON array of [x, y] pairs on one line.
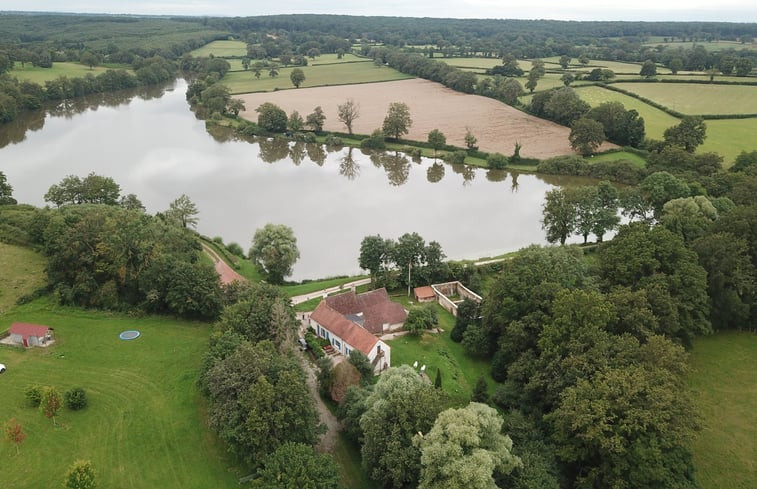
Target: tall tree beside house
[[274, 250], [465, 449], [375, 255]]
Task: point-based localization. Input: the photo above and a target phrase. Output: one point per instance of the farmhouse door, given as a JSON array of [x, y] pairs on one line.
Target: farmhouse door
[[26, 342]]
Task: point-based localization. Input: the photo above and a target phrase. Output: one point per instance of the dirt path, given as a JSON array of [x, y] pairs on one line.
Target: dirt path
[[224, 271], [329, 439]]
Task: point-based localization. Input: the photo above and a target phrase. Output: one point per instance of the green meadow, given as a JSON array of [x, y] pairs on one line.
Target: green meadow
[[655, 120], [724, 386], [71, 70], [221, 49], [144, 425], [320, 75], [696, 98], [729, 137], [708, 45], [23, 273]]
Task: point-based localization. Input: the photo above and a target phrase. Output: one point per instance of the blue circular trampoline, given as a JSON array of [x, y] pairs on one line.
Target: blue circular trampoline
[[132, 334]]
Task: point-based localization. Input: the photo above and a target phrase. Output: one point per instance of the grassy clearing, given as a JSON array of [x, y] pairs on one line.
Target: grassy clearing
[[332, 58], [655, 120], [724, 385], [729, 137], [459, 371], [347, 455], [477, 63], [709, 46], [144, 426], [221, 49], [694, 98], [23, 272], [339, 74], [71, 70], [619, 155]]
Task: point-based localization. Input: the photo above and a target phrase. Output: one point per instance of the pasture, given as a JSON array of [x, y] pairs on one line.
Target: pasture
[[723, 382], [655, 120], [221, 49], [23, 273], [144, 426], [497, 126], [319, 75], [478, 63], [729, 137], [72, 70], [708, 45], [695, 98]]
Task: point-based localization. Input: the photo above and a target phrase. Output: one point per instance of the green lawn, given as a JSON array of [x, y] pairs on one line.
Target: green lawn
[[695, 98], [459, 371], [729, 137], [144, 426], [222, 49], [724, 385], [339, 74], [655, 120], [23, 271], [71, 70]]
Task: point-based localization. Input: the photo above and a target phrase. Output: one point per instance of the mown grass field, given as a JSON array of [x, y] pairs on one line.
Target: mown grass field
[[337, 74], [144, 426], [71, 70], [221, 49], [655, 120], [478, 63], [459, 371], [708, 45], [23, 272], [724, 385], [729, 137], [694, 98]]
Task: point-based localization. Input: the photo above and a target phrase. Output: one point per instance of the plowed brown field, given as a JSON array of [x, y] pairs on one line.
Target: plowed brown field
[[497, 126]]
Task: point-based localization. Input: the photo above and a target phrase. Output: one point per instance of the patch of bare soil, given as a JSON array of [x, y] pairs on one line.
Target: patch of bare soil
[[497, 126]]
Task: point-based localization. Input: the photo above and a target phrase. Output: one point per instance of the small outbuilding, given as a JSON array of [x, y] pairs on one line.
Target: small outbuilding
[[424, 294], [26, 335]]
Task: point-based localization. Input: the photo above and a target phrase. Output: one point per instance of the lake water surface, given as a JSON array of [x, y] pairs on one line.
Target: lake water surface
[[154, 146]]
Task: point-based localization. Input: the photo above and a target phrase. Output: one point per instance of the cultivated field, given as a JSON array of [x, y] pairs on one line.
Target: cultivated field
[[319, 75], [655, 120], [144, 425], [221, 49], [694, 98], [432, 106], [71, 70], [724, 385]]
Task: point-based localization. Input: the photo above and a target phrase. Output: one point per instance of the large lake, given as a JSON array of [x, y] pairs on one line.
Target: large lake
[[154, 146]]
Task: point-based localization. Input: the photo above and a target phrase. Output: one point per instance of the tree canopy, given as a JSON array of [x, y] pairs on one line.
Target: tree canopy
[[274, 250]]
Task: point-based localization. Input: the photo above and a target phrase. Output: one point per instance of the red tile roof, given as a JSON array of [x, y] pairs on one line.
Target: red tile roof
[[375, 305], [349, 332], [425, 292], [27, 330]]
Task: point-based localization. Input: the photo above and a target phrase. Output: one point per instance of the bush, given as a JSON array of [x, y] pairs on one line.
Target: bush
[[497, 161], [309, 137], [375, 141], [456, 158], [332, 140], [314, 345], [75, 398], [235, 249], [33, 395], [218, 240], [564, 165]]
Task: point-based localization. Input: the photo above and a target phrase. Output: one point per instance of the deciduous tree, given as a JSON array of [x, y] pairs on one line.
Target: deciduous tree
[[80, 475], [689, 133], [436, 139], [558, 215], [586, 135], [271, 117], [6, 191], [397, 121], [274, 250], [183, 212], [315, 119], [297, 76], [50, 403], [648, 69], [348, 112], [296, 465], [14, 433]]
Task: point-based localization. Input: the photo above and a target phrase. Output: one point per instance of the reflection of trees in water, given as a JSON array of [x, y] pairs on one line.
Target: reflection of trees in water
[[348, 167], [468, 172], [222, 134], [297, 153], [273, 150], [496, 175], [514, 182], [397, 167], [316, 153], [435, 173], [15, 132]]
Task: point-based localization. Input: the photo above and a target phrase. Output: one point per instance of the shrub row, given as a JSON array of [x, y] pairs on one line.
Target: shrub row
[[621, 171]]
